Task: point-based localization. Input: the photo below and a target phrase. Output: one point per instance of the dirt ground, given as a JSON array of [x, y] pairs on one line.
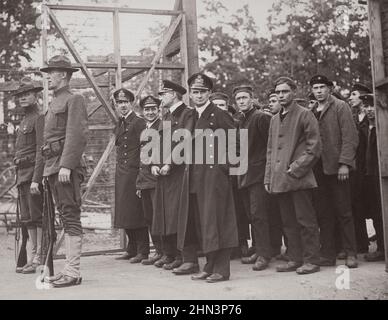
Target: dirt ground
[[106, 278]]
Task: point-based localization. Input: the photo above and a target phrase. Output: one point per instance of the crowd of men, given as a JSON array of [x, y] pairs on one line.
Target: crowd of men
[[311, 182]]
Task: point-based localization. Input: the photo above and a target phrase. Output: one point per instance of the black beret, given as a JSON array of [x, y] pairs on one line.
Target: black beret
[[243, 88], [149, 101], [200, 81], [286, 80], [219, 96], [123, 95], [171, 86], [319, 78], [361, 88], [368, 99]]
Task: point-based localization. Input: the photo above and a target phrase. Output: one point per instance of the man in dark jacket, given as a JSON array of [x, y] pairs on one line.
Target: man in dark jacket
[[250, 184], [333, 202], [369, 174], [170, 176], [128, 207], [146, 181], [29, 170], [65, 136], [294, 146], [208, 213]]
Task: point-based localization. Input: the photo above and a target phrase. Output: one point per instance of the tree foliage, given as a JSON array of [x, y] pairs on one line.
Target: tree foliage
[[306, 38]]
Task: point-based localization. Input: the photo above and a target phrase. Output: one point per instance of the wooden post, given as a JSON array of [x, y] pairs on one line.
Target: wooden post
[[117, 52], [381, 105], [190, 9], [45, 25]]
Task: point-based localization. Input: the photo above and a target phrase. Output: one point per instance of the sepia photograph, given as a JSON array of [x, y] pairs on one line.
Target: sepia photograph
[[194, 155]]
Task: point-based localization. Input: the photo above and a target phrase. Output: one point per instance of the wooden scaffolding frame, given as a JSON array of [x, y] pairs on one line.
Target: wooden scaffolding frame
[[380, 88], [183, 23]]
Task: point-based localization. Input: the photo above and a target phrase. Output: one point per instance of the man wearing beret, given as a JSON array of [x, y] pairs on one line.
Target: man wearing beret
[[208, 214], [250, 184], [169, 178], [333, 201], [358, 203], [294, 145], [368, 168], [29, 170], [146, 181], [65, 136], [128, 207]]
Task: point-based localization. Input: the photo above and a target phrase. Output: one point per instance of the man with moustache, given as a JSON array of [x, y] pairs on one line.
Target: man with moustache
[[208, 212], [128, 207], [146, 181], [333, 201], [358, 203], [250, 184], [369, 173], [29, 170], [65, 137], [169, 180], [293, 147]]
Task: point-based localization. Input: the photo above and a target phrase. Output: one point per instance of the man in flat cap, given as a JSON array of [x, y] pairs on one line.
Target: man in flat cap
[[29, 170], [332, 171], [221, 100], [251, 183], [209, 207], [273, 102], [358, 204], [294, 145], [146, 181], [368, 169], [169, 178], [128, 207], [65, 136]]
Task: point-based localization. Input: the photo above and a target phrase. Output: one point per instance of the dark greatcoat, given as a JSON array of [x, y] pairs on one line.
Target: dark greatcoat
[[168, 188], [215, 218], [128, 207]]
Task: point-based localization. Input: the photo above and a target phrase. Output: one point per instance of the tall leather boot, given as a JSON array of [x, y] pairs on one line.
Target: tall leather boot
[[71, 273], [30, 267]]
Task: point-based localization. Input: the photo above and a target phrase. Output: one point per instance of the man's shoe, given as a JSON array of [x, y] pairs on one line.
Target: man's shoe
[[138, 258], [151, 260], [216, 277], [375, 256], [250, 260], [351, 262], [200, 276], [30, 268], [126, 256], [289, 266], [20, 269], [341, 255], [162, 261], [308, 268], [66, 281], [325, 262], [186, 268], [53, 278], [260, 264], [175, 264]]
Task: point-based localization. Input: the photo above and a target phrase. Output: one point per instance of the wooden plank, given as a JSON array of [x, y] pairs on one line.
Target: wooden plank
[[190, 10], [84, 69], [381, 102], [45, 24], [112, 9], [99, 166], [159, 53], [161, 66], [117, 52], [101, 127]]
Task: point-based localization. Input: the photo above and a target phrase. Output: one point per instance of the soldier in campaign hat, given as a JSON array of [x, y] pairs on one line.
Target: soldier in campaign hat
[[128, 207], [29, 170], [65, 137]]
